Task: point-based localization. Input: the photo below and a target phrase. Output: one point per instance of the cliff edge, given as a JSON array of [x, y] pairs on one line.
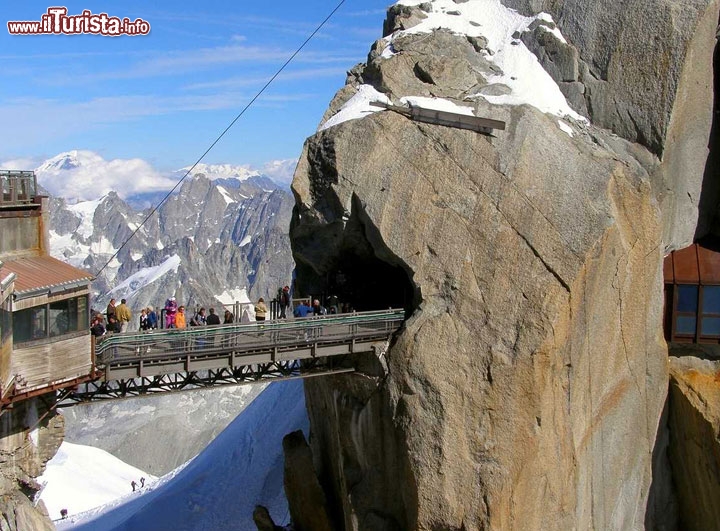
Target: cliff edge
[[527, 384]]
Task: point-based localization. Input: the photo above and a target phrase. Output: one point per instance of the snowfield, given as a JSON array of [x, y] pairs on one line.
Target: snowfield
[[218, 490]]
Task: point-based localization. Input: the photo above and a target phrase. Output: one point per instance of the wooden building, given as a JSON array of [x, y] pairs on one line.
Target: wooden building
[[44, 319]]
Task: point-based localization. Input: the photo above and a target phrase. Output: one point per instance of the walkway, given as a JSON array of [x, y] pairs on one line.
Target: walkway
[[196, 357]]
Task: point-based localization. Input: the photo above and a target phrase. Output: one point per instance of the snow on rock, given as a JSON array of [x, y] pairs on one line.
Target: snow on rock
[[237, 294], [246, 240], [357, 107], [142, 278], [437, 104], [225, 194], [522, 72], [222, 171], [104, 246], [566, 128], [85, 210], [241, 468], [79, 478]]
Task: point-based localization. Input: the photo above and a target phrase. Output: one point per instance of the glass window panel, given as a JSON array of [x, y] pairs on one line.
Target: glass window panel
[[59, 318], [82, 313], [685, 325], [687, 298], [710, 326], [29, 324], [711, 299]]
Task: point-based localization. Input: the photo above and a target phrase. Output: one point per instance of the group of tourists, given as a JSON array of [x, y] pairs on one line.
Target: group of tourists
[[119, 316]]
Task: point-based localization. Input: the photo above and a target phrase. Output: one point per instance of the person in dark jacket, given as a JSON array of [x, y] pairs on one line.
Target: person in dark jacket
[[113, 326], [229, 317], [98, 328], [317, 308], [144, 320], [152, 318], [213, 318], [284, 301]]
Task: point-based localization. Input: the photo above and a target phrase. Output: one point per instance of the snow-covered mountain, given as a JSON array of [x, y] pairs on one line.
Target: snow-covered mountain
[[84, 175], [221, 171], [212, 242]]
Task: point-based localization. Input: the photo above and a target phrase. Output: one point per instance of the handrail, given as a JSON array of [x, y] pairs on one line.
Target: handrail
[[277, 331]]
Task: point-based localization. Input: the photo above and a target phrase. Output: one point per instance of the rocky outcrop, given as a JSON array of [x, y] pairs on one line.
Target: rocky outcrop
[[523, 388], [694, 448], [526, 387], [643, 70], [31, 436]]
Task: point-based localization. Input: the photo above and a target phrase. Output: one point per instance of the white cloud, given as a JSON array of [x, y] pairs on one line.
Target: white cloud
[[23, 163], [85, 175], [280, 171]]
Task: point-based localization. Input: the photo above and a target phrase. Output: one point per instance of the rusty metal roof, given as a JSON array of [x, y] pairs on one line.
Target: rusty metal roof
[[697, 264], [39, 272]]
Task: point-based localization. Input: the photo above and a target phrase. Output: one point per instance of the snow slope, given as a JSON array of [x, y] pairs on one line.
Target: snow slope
[[219, 489], [79, 478]]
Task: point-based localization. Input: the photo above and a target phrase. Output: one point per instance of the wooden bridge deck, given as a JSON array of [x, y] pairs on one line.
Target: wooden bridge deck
[[168, 360]]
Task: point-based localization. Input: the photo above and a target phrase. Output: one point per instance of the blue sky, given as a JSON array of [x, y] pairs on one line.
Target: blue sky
[[164, 97]]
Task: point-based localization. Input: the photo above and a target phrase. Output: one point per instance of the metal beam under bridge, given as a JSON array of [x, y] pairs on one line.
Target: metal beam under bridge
[[200, 357]]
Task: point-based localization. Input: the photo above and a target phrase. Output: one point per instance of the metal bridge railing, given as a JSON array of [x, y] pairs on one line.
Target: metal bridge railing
[[17, 188], [281, 334]]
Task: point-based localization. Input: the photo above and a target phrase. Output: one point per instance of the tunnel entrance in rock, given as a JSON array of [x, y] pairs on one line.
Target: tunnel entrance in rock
[[708, 211], [362, 272]]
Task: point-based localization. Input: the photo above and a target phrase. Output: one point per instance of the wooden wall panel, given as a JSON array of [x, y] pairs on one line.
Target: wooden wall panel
[[61, 360]]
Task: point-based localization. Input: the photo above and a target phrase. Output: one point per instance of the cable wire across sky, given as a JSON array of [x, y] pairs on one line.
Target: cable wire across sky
[[232, 123]]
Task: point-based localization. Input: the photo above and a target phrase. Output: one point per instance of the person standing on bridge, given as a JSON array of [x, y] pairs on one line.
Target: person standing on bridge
[[180, 321], [110, 311], [302, 310], [124, 316], [260, 310], [229, 317], [152, 318], [170, 311], [144, 326], [284, 302], [213, 318]]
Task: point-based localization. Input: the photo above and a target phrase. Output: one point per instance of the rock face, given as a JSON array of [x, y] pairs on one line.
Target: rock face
[[226, 235], [526, 387], [694, 448], [32, 437]]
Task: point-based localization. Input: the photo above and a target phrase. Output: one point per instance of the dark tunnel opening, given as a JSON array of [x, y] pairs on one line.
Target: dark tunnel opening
[[708, 210], [360, 271]]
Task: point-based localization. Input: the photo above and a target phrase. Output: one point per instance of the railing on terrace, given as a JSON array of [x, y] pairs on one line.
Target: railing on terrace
[[161, 344], [134, 364], [17, 188]]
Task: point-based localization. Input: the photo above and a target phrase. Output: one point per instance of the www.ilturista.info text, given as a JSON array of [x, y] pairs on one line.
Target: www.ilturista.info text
[[57, 22]]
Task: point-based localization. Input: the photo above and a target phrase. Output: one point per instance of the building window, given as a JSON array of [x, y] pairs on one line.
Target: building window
[[696, 313], [50, 320]]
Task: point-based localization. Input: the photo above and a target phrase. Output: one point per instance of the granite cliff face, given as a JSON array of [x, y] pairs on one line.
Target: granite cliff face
[[526, 387], [206, 243]]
